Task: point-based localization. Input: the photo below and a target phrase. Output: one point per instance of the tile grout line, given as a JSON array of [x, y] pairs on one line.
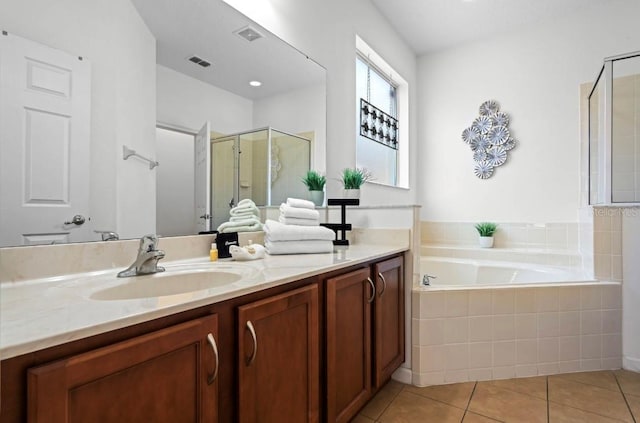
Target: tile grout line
[[546, 380], [624, 397], [469, 402], [377, 419]]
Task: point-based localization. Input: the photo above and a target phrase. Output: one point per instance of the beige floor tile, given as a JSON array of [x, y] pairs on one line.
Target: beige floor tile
[[588, 398], [559, 413], [381, 400], [456, 394], [409, 408], [629, 381], [634, 404], [534, 386], [362, 419], [604, 379], [506, 405], [477, 418]]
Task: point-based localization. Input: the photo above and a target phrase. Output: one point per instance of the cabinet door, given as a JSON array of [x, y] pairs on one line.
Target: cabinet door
[[388, 319], [279, 368], [165, 376], [348, 343]]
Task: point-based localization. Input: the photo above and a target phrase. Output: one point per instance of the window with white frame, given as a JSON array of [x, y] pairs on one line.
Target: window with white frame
[[379, 138]]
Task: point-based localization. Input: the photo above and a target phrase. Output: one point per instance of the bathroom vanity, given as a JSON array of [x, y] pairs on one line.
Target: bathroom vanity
[[301, 338]]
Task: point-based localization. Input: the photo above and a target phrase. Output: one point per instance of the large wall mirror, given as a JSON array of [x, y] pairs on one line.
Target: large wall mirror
[[174, 81]]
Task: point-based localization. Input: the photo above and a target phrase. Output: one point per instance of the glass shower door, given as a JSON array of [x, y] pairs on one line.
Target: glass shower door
[[223, 180]]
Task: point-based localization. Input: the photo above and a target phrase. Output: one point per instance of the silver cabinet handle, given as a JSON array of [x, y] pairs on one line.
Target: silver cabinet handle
[[252, 331], [78, 219], [384, 283], [373, 291], [212, 342]]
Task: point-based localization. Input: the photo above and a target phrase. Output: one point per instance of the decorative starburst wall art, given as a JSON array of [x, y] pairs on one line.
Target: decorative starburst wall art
[[489, 139]]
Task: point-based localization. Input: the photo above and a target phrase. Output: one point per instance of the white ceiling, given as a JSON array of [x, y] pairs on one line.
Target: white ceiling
[[205, 29], [431, 25]]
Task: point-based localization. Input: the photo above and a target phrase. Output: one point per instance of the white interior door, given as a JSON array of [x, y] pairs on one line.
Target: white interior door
[[202, 176], [44, 144]]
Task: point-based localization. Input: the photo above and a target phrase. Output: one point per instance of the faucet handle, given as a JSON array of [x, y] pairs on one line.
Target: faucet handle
[[148, 243]]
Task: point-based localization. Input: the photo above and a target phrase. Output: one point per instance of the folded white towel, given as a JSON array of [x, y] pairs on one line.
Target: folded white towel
[[301, 204], [299, 222], [243, 217], [298, 247], [298, 213], [246, 225], [276, 231], [245, 211]]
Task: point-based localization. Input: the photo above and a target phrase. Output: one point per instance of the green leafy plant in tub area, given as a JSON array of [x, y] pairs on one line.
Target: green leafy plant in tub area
[[353, 178], [486, 228], [314, 181]]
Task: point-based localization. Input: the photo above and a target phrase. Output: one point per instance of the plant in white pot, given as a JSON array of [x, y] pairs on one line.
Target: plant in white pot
[[352, 179], [486, 231], [315, 183]]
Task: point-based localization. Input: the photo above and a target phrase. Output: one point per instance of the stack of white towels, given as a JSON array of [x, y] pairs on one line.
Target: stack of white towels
[[245, 217], [298, 230]]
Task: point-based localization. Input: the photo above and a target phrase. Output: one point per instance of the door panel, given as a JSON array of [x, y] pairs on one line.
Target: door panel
[[44, 143], [389, 319], [203, 178], [348, 344], [279, 371]]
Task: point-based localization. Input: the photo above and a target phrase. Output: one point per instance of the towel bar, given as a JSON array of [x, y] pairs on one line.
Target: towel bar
[[128, 152]]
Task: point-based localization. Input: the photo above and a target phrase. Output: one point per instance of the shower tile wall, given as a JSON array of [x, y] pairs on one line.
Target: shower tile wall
[[626, 139], [607, 243], [485, 334]]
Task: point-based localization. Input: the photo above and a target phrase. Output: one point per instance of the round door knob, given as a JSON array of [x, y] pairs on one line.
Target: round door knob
[[78, 219]]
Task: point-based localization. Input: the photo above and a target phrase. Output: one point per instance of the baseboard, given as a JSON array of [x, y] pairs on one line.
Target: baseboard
[[402, 375], [632, 364]]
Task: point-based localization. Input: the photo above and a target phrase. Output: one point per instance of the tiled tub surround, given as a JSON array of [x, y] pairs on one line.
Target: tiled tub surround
[[464, 335]]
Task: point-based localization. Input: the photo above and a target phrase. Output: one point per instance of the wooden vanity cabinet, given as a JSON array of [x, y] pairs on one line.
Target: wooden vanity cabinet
[[364, 335], [278, 358], [170, 375]]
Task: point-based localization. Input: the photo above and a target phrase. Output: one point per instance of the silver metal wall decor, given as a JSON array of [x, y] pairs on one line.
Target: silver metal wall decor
[[489, 139], [377, 125]]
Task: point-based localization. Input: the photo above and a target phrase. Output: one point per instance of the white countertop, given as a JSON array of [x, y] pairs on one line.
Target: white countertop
[[42, 313]]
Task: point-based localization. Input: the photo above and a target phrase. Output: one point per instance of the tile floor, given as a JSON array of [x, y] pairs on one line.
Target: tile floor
[[598, 397]]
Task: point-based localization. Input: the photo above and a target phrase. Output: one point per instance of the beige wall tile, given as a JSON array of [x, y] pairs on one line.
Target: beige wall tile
[[527, 351], [504, 353], [526, 326], [612, 345], [611, 296], [548, 324], [590, 297], [569, 298], [569, 349], [456, 330], [480, 302], [432, 304], [456, 303], [431, 332], [480, 328], [591, 322], [612, 321], [503, 301], [591, 347], [547, 299], [504, 327], [548, 350], [525, 300], [457, 357], [568, 366], [568, 323], [480, 355]]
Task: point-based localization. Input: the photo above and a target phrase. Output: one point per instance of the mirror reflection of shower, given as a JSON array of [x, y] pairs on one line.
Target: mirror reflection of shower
[[265, 165]]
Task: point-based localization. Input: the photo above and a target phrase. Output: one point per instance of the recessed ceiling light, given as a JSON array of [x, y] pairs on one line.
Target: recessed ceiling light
[[255, 83]]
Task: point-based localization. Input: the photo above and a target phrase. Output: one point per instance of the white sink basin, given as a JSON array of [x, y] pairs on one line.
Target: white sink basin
[[171, 282]]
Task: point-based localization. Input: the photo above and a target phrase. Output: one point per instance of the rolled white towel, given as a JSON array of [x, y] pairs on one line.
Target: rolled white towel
[[276, 231], [298, 213], [247, 225], [301, 204], [298, 222], [298, 247]]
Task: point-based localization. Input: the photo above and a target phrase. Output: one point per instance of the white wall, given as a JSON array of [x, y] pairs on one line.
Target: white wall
[[298, 111], [326, 30], [535, 75], [187, 103], [110, 34], [631, 289]]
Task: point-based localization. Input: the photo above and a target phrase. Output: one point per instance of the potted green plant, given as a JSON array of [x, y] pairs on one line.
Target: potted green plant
[[315, 183], [486, 231], [352, 179]]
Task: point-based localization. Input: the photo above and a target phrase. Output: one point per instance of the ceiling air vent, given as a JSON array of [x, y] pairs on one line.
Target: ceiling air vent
[[199, 61], [248, 33]]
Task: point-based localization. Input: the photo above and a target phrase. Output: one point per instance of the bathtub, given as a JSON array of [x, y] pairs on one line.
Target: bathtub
[[483, 319], [459, 272]]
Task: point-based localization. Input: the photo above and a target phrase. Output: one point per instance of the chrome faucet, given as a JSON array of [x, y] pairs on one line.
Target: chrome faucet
[[108, 235], [147, 260], [426, 279]]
